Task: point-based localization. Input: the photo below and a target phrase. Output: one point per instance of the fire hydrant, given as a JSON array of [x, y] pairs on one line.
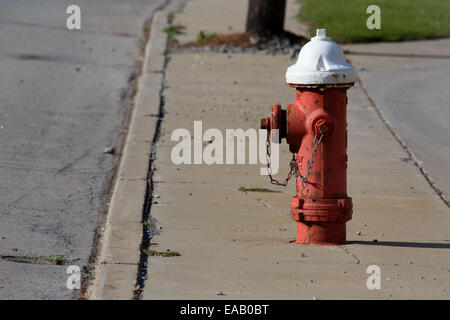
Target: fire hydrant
[[315, 127]]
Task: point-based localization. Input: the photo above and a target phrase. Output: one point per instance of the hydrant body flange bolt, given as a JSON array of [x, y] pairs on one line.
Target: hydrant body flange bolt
[[315, 127]]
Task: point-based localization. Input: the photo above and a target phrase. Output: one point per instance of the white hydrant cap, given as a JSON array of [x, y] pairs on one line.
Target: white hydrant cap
[[321, 61]]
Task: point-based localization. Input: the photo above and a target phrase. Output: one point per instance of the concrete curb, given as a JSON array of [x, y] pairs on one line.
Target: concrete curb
[[118, 260]]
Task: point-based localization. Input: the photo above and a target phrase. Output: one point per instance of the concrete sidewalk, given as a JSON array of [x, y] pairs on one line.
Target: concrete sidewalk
[[235, 245]]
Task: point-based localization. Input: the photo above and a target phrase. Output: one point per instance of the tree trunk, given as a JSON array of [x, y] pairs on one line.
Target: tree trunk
[[265, 16]]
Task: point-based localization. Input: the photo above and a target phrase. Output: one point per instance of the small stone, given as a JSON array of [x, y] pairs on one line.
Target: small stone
[[157, 196], [303, 255], [315, 298], [109, 150], [293, 54], [421, 278], [220, 293], [223, 48], [253, 39], [358, 233]]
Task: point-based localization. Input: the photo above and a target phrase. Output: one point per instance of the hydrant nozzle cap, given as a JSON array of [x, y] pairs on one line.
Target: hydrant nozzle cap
[[321, 61]]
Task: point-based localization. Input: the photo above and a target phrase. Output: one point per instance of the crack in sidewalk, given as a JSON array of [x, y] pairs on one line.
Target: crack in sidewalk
[[347, 250]]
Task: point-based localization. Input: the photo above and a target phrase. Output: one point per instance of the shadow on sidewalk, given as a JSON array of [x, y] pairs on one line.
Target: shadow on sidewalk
[[403, 244]]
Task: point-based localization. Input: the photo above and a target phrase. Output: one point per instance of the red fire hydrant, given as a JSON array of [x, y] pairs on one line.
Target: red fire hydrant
[[315, 128]]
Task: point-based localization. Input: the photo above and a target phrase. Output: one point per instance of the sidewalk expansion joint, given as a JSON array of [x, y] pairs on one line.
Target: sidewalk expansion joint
[[148, 223], [121, 263]]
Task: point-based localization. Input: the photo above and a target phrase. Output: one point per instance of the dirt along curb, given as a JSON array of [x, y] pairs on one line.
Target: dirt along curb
[[120, 261]]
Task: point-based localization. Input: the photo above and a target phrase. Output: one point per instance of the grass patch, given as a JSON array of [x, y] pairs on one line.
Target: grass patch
[[244, 189], [401, 20], [55, 260], [59, 260], [154, 253], [173, 32], [203, 36]]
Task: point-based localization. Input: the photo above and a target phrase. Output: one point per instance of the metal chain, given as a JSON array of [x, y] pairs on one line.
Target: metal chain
[[293, 166], [304, 179]]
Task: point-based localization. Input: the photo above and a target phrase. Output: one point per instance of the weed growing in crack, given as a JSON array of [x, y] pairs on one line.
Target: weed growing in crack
[[153, 253]]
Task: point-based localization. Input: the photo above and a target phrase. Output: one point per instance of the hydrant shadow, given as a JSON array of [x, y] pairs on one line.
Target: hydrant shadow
[[403, 244]]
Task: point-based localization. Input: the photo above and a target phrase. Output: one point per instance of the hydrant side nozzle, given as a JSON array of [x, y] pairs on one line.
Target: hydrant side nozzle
[[277, 121]]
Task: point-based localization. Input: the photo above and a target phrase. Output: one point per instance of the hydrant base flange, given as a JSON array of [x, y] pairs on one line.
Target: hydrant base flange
[[321, 221]]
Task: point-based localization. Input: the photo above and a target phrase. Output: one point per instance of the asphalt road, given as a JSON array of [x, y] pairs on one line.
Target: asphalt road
[[410, 83], [60, 106]]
